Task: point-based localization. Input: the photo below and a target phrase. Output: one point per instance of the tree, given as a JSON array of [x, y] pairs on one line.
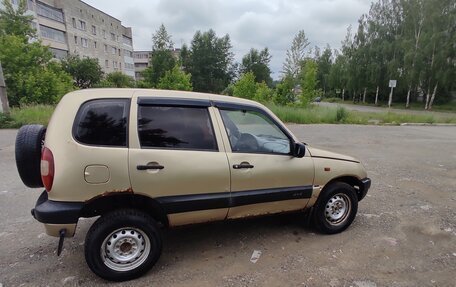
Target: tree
[[284, 91], [245, 87], [117, 80], [31, 75], [295, 55], [309, 82], [210, 62], [263, 93], [324, 63], [176, 79], [15, 21], [162, 40], [86, 72], [162, 59], [257, 62]]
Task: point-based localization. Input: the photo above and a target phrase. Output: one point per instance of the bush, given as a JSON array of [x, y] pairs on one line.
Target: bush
[[341, 114]]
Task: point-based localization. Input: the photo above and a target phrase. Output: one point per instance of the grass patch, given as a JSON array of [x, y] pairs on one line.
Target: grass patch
[[310, 115], [329, 115], [38, 114]]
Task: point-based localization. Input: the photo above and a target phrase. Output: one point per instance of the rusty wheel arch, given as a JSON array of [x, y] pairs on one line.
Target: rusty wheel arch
[[108, 202]]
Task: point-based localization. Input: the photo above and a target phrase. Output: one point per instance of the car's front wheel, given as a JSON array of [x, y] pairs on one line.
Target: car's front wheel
[[123, 245], [336, 208]]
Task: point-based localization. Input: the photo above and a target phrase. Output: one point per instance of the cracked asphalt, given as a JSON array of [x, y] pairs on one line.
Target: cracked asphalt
[[404, 234]]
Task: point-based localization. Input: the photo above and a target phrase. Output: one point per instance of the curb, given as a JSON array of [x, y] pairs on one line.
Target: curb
[[428, 124]]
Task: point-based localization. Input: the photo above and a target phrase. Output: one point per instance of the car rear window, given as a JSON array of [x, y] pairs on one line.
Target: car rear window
[[102, 122], [175, 127]]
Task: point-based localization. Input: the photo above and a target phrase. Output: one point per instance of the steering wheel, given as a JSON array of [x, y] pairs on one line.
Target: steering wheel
[[247, 143]]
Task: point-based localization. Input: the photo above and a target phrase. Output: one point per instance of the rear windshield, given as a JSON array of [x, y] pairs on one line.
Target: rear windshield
[[102, 122]]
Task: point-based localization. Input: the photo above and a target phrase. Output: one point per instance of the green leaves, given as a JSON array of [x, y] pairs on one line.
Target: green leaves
[[175, 79], [86, 72], [257, 62]]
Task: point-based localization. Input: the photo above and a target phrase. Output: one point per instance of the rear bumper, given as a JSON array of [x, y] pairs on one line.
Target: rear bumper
[[56, 212], [364, 187]]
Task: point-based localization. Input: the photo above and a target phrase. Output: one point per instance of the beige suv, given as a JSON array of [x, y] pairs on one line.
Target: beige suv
[[143, 160]]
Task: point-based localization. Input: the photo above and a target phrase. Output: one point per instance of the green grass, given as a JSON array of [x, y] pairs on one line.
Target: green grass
[[328, 115], [38, 114]]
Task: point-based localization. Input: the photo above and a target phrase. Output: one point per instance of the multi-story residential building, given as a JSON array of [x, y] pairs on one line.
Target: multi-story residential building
[[142, 61], [75, 27]]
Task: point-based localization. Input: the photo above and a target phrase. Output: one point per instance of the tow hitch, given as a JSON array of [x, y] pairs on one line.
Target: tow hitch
[[62, 234]]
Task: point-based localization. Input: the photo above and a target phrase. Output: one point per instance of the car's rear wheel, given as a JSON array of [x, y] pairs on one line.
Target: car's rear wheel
[[123, 245], [336, 208], [29, 143]]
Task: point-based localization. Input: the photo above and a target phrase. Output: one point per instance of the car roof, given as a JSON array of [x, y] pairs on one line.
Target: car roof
[[122, 93]]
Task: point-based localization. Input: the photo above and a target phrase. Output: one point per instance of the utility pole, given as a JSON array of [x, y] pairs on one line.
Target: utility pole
[[3, 97]]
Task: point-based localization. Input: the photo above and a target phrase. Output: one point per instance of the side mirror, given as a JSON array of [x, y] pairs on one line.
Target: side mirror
[[299, 150]]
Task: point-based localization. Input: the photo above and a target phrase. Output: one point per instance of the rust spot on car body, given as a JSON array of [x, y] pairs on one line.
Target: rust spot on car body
[[112, 192]]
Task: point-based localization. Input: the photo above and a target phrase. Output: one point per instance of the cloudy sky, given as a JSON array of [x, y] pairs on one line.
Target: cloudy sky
[[250, 23]]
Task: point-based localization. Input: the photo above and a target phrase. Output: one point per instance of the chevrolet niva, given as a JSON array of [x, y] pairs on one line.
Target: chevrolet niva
[[144, 160]]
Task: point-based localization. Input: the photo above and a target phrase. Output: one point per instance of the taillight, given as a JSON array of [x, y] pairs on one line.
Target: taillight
[[47, 168]]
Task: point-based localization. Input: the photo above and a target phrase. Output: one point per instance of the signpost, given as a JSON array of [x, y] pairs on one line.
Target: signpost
[[392, 85]]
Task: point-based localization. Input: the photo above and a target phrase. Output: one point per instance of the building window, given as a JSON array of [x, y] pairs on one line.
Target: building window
[[82, 25], [49, 12], [84, 42], [74, 22], [95, 44], [76, 40], [113, 50], [119, 52], [104, 34], [127, 41], [106, 63], [53, 34], [113, 36], [114, 64], [59, 54], [120, 66], [106, 48], [94, 30]]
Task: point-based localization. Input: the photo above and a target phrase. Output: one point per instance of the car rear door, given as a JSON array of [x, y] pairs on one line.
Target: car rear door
[[177, 157], [265, 177]]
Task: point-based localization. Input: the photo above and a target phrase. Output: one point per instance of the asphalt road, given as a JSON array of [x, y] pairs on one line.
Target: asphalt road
[[404, 234]]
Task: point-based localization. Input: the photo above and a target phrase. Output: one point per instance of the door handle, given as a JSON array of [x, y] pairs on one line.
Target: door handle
[[146, 167], [243, 165]]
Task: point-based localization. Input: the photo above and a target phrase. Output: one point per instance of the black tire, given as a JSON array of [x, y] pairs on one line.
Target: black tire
[[29, 143], [335, 208], [107, 233]]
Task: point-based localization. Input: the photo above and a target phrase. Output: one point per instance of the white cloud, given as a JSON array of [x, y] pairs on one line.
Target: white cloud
[[250, 23]]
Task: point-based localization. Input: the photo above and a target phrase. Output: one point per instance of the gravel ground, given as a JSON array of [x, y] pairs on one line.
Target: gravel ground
[[404, 234]]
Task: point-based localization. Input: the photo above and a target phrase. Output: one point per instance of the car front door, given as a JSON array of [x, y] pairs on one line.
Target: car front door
[[177, 157], [265, 176]]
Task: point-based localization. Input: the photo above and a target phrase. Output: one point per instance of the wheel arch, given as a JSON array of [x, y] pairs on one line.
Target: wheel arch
[[104, 204], [350, 180]]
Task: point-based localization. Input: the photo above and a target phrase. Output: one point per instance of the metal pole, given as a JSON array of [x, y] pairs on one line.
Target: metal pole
[[390, 98], [3, 96]]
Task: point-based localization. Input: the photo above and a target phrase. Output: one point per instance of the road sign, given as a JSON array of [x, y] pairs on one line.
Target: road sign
[[392, 83]]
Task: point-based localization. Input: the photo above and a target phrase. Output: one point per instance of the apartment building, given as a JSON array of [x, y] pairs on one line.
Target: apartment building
[[142, 61], [75, 27]]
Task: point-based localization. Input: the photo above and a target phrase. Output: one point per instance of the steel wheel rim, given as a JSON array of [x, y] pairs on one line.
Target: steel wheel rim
[[337, 209], [125, 249]]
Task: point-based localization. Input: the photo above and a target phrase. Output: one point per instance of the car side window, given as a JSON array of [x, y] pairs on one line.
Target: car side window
[[176, 127], [254, 132], [102, 122]]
